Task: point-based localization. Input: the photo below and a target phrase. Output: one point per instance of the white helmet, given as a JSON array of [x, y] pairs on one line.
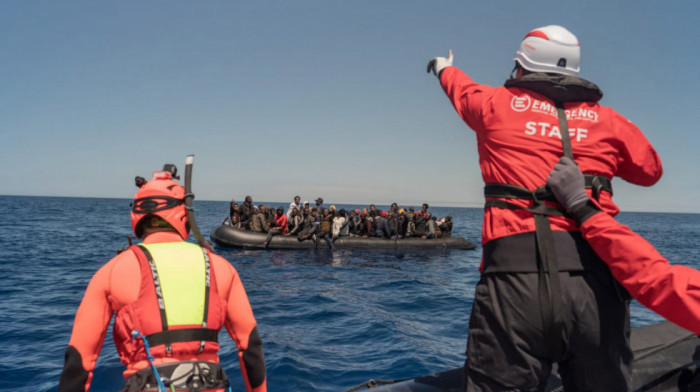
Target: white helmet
[[550, 49]]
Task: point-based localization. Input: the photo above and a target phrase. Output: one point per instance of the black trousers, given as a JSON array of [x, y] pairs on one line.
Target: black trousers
[[508, 351]]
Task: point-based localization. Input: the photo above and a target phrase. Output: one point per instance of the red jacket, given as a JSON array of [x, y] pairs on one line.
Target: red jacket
[[673, 291], [517, 132], [281, 221]]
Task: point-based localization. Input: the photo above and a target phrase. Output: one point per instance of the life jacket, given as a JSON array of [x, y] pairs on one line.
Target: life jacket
[[178, 308]]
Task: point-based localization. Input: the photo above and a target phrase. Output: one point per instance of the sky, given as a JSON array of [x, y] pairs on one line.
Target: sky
[[315, 98]]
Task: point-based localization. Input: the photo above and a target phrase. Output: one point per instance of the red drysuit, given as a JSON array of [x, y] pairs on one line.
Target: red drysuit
[[518, 139], [673, 291]]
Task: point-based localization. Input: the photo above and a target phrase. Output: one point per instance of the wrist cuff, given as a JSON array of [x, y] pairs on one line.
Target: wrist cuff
[[581, 212]]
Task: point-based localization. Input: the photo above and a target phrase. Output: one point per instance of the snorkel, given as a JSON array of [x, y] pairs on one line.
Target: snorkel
[[189, 196]]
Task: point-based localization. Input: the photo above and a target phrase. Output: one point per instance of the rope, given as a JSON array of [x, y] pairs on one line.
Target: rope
[[136, 334], [665, 346], [371, 384]]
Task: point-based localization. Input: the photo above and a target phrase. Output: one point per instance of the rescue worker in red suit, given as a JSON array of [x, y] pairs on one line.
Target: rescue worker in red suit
[[544, 297], [673, 291], [174, 294]]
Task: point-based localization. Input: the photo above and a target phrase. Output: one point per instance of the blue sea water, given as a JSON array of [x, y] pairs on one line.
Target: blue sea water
[[328, 320]]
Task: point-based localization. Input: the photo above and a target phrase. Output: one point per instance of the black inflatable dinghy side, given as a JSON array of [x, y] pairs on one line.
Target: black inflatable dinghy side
[[231, 237], [666, 358]]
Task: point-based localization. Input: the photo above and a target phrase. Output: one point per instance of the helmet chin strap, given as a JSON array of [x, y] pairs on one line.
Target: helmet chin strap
[[515, 68]]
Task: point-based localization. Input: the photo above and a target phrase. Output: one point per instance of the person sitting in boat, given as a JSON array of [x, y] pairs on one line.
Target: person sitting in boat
[[402, 223], [373, 211], [178, 339], [355, 223], [673, 291], [308, 225], [319, 205], [420, 226], [430, 226], [270, 216], [293, 205], [445, 226], [233, 219], [341, 225], [233, 211], [367, 224], [326, 226], [410, 222], [245, 213], [294, 223], [394, 209], [258, 223], [278, 225], [382, 229]]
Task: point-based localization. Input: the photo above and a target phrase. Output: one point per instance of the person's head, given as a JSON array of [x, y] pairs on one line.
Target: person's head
[[383, 214], [448, 218], [551, 49], [410, 209], [402, 211], [306, 203], [295, 212], [394, 206], [159, 204], [364, 211], [297, 199], [352, 213], [319, 201], [341, 212], [372, 207], [280, 211], [425, 207], [248, 199], [428, 215], [306, 211]]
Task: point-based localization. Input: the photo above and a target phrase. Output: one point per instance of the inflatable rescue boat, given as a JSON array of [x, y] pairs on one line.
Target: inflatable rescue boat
[[666, 358], [232, 237]]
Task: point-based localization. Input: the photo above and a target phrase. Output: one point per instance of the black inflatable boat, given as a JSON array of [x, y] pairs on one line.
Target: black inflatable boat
[[666, 358], [232, 237]]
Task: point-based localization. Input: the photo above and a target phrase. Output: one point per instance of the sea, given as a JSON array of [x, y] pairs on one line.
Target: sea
[[329, 320]]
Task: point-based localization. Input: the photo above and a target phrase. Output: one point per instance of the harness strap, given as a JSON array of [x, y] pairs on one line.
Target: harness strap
[[207, 277], [159, 293], [183, 335], [182, 375], [549, 285], [564, 131], [594, 182]]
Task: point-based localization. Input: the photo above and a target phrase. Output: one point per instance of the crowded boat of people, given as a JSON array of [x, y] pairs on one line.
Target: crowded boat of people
[[307, 222]]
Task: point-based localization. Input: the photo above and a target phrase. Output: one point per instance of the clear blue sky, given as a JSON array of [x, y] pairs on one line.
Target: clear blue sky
[[317, 98]]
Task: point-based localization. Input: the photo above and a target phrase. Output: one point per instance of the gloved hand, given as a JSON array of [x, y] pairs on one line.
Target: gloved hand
[[437, 64], [567, 184]]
